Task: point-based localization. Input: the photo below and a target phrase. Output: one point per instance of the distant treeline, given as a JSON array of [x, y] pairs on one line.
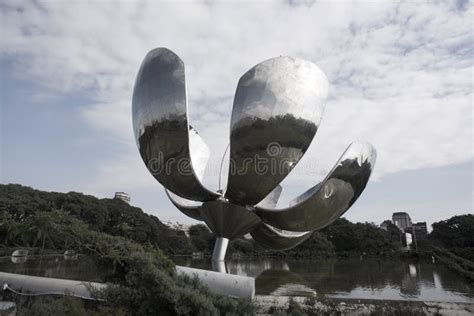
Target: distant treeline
[[121, 238], [25, 221], [134, 244], [342, 238], [24, 214]]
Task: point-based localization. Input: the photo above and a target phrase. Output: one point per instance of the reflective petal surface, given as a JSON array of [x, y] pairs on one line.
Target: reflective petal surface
[[160, 124], [277, 239], [328, 200], [187, 207], [305, 195], [271, 200], [228, 220], [277, 110]]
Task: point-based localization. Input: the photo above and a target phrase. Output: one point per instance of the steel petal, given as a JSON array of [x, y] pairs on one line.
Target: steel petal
[[277, 239], [329, 199], [305, 195], [277, 110], [161, 128], [187, 207], [271, 200], [228, 220]]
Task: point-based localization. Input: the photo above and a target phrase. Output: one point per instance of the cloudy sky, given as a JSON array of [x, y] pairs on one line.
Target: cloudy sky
[[400, 75]]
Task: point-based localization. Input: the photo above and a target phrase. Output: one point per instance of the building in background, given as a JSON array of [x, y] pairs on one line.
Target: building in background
[[123, 196], [411, 232], [402, 220], [420, 230]]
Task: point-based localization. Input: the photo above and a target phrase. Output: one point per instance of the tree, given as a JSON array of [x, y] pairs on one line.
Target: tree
[[43, 225], [315, 246], [201, 238], [455, 232], [350, 237], [24, 212]]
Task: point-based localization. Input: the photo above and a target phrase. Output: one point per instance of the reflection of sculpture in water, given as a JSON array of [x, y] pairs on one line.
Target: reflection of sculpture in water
[[346, 278], [277, 111], [255, 268]]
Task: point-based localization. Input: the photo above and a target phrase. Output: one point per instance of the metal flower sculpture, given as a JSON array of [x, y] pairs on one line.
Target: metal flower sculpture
[[277, 110]]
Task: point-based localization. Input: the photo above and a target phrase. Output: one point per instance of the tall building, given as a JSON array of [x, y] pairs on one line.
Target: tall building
[[402, 220], [123, 196], [421, 231]]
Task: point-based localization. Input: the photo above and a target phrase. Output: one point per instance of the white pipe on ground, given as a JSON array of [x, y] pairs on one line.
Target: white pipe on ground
[[39, 285], [218, 283], [221, 283]]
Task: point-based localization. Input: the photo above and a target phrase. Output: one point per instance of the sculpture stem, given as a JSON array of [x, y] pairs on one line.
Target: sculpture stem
[[220, 249]]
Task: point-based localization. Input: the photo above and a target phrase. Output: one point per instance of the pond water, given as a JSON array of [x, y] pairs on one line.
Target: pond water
[[81, 268], [342, 278], [349, 278]]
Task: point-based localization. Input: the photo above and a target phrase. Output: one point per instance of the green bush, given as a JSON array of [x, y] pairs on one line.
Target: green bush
[[455, 232], [145, 280], [201, 238], [22, 207]]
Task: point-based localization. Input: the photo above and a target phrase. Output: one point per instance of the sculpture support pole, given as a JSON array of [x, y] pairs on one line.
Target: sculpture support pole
[[218, 256]]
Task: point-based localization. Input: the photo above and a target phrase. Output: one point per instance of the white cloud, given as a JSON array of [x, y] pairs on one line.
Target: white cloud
[[400, 73]]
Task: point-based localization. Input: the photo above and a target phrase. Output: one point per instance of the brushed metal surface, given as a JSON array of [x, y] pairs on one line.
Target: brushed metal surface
[[160, 123], [271, 200], [187, 207], [218, 255], [330, 199], [277, 239], [305, 195], [277, 109], [228, 220]]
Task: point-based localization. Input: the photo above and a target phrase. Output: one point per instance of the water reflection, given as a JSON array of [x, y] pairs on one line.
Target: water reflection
[[58, 266], [19, 259], [346, 278], [254, 269], [349, 278]]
